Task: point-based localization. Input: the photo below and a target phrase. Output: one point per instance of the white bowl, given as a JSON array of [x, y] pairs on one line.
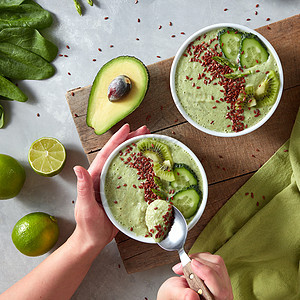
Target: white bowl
[[134, 140], [181, 51]]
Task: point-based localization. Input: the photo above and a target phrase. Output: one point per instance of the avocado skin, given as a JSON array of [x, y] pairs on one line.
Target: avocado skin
[[134, 99]]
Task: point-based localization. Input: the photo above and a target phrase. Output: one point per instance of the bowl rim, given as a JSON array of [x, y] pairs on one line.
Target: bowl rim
[[105, 205], [178, 56]]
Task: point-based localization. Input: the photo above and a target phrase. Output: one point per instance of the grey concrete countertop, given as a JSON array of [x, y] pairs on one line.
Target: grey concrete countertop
[[107, 278]]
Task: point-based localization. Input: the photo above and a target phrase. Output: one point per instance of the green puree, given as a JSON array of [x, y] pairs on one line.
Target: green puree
[[198, 103], [126, 199]]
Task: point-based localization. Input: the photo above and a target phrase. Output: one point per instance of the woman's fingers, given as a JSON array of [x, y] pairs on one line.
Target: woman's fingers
[[176, 288], [119, 137], [212, 270], [85, 194], [140, 131]]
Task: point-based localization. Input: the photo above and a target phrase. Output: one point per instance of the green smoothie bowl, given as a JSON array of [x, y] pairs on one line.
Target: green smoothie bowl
[[143, 178], [226, 80]]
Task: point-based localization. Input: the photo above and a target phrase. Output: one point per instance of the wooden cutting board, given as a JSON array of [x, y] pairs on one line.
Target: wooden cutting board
[[228, 162]]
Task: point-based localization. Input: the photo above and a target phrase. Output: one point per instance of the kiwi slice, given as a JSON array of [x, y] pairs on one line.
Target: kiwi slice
[[250, 98], [161, 157], [164, 171], [267, 91]]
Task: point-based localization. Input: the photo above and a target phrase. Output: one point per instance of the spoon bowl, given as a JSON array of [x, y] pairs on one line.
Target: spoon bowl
[[175, 241]]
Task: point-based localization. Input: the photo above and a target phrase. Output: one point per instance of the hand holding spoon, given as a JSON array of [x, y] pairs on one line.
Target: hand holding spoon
[[175, 240]]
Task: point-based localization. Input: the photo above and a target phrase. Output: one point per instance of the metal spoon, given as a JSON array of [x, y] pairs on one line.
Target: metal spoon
[[175, 240]]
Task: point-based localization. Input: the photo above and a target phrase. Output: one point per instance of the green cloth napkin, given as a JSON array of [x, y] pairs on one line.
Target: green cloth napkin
[[257, 232]]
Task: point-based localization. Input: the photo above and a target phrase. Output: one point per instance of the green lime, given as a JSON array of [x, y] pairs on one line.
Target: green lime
[[35, 234], [47, 156], [12, 177]]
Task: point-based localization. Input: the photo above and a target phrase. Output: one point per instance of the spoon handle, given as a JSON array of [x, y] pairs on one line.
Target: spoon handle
[[196, 283]]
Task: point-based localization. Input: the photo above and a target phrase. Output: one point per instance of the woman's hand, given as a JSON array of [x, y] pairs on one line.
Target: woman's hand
[[94, 229], [210, 268]]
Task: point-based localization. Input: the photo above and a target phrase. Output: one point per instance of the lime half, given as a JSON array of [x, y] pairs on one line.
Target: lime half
[[47, 156]]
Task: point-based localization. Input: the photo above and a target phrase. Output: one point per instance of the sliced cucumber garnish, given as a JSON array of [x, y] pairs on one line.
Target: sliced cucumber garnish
[[184, 176], [187, 201], [253, 51], [230, 43]]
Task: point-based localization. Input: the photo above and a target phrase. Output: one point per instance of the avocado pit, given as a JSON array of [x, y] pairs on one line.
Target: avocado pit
[[118, 88]]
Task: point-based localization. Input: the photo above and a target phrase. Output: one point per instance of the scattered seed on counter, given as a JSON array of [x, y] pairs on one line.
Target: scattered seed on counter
[[94, 59], [182, 32], [66, 55], [38, 115], [139, 20], [67, 46], [173, 35], [248, 20], [99, 49], [158, 56], [111, 46], [170, 24], [256, 12], [137, 39], [106, 18], [225, 9], [159, 27], [268, 19], [69, 73]]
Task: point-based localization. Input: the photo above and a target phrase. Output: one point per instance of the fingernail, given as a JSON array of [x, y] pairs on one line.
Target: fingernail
[[78, 173], [196, 263], [176, 268]]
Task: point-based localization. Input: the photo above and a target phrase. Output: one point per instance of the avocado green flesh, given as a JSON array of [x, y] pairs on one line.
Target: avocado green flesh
[[102, 114]]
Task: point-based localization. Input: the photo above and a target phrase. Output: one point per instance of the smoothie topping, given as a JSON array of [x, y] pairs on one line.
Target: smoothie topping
[[159, 219], [213, 76]]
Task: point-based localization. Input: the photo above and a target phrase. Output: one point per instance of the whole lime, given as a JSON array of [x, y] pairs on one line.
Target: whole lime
[[35, 234], [12, 177]]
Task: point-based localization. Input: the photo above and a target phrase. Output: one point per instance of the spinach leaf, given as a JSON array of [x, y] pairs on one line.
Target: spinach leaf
[[7, 3], [19, 63], [11, 91], [29, 39], [25, 15], [1, 116]]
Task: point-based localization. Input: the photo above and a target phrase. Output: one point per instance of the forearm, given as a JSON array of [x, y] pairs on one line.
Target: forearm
[[59, 275]]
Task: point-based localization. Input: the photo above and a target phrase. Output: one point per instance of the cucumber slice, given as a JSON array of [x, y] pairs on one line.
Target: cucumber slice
[[253, 52], [187, 201], [184, 176], [230, 43]]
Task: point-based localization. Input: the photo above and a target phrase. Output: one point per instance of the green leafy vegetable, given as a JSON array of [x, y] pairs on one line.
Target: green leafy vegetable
[[8, 3], [25, 15], [1, 116], [11, 91], [90, 2], [19, 63], [29, 39]]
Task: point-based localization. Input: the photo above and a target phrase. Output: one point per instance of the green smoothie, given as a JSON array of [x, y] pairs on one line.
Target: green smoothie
[[225, 104], [132, 186]]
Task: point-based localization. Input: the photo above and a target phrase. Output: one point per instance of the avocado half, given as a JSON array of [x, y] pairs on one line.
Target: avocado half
[[102, 114]]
